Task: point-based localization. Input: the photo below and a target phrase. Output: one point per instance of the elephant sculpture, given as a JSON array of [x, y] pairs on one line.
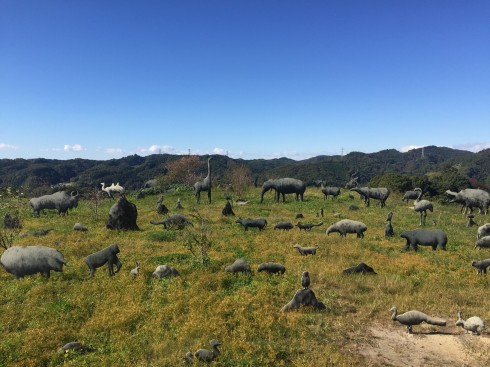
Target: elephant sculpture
[[283, 186]]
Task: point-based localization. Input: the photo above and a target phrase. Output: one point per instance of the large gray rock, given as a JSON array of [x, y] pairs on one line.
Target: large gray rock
[[123, 215]]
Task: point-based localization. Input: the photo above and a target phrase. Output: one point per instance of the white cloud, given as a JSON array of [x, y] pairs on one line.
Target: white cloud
[[219, 151], [72, 148], [154, 149], [410, 147], [473, 147], [6, 146], [114, 151]]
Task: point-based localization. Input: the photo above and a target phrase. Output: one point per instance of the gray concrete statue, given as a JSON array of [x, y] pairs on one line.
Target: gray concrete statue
[[470, 199], [28, 260], [60, 201], [204, 185], [283, 186]]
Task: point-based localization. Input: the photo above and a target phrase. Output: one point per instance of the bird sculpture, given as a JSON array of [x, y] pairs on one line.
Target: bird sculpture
[[414, 317], [305, 280], [422, 206], [474, 324], [390, 216], [206, 355]]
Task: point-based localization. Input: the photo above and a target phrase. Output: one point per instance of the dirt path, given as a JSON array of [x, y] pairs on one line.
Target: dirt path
[[392, 346]]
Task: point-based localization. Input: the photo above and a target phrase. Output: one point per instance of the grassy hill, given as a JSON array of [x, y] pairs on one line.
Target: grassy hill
[[149, 322]]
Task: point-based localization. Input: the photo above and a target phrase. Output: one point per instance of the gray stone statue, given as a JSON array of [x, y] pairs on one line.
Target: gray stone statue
[[107, 256], [204, 185]]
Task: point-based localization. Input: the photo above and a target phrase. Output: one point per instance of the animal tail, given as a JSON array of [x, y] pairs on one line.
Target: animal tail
[[437, 322], [319, 224]]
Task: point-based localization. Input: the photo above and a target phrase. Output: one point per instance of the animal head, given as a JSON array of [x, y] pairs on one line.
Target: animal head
[[297, 245], [460, 321], [214, 342], [115, 248]]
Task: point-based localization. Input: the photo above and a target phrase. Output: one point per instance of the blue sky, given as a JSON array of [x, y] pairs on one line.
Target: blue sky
[[251, 79]]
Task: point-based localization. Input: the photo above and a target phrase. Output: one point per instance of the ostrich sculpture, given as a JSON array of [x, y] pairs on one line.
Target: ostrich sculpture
[[422, 206], [204, 185]]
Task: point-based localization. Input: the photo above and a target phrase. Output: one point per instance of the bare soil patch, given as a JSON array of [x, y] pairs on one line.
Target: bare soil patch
[[450, 346]]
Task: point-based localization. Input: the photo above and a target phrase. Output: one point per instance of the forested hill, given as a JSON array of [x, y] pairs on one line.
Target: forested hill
[[133, 171]]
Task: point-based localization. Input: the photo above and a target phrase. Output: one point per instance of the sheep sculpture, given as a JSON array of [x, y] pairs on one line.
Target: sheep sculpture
[[474, 324], [239, 266], [305, 251], [483, 242], [206, 355], [285, 226], [165, 271], [259, 223], [481, 266], [271, 268], [345, 226], [411, 194], [414, 317], [483, 231]]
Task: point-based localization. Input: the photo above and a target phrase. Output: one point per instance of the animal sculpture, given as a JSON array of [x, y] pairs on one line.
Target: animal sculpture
[[283, 186], [305, 280], [113, 189], [305, 251], [165, 271], [414, 317], [377, 193], [28, 260], [107, 256], [161, 208], [304, 297], [470, 199], [271, 268], [307, 226], [204, 185], [135, 271], [474, 324], [239, 266], [425, 237], [483, 242], [421, 206], [286, 226], [481, 266], [411, 194], [178, 221], [483, 231], [334, 192], [259, 223], [61, 201], [345, 226], [206, 355]]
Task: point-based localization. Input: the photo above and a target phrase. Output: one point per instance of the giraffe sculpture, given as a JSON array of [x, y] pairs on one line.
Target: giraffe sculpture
[[204, 185]]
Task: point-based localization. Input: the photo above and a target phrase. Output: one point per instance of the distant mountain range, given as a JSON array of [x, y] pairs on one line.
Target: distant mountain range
[[133, 171]]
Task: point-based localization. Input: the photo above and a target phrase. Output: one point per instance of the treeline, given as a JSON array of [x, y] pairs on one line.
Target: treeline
[[432, 168]]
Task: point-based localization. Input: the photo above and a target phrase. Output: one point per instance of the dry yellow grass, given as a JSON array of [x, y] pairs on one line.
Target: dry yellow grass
[[147, 322]]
